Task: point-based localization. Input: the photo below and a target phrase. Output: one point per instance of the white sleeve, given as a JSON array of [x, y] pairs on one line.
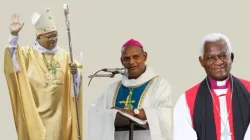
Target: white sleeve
[[183, 129], [13, 41], [159, 116], [95, 119], [101, 119], [77, 82], [247, 135], [13, 46]]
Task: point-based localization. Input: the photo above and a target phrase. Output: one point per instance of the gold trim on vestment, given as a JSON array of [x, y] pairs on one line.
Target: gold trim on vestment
[[142, 96], [144, 93], [116, 92]]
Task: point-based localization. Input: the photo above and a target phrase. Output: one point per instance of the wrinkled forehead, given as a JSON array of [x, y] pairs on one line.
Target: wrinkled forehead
[[219, 46]]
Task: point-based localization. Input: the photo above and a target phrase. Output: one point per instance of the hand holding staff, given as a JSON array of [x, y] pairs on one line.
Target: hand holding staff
[[66, 13]]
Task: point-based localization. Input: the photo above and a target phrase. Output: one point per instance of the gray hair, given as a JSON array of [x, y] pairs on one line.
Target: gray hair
[[212, 38]]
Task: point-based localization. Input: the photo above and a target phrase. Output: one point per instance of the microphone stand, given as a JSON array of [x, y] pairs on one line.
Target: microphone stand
[[102, 75], [112, 75]]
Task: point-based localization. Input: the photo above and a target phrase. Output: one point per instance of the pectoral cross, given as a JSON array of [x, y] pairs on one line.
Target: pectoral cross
[[225, 134], [128, 102], [52, 68]]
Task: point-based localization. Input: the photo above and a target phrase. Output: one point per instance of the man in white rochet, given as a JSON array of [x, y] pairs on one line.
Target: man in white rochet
[[140, 93], [218, 108]]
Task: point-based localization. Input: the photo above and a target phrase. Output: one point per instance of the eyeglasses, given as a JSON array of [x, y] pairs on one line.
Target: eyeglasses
[[50, 37]]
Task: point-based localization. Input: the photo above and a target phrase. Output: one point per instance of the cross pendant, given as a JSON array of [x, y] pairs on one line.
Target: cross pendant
[[225, 134], [52, 68]]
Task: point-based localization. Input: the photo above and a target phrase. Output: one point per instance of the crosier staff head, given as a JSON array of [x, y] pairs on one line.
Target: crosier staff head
[[66, 13]]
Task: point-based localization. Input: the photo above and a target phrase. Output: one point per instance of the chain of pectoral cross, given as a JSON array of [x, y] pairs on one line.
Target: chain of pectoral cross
[[51, 66], [128, 102], [226, 133]]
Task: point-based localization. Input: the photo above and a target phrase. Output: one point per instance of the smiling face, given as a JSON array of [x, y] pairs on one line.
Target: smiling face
[[217, 60], [133, 59], [48, 40]]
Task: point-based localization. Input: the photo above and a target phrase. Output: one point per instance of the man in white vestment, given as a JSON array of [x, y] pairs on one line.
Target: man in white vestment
[[218, 108], [140, 93]]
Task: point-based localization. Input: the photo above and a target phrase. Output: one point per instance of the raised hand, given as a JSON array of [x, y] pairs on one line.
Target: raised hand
[[15, 25]]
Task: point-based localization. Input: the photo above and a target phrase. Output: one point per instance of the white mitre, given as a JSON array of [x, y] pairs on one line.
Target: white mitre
[[44, 23]]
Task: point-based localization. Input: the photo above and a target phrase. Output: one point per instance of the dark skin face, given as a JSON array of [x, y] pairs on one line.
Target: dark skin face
[[48, 40], [217, 61], [133, 59]]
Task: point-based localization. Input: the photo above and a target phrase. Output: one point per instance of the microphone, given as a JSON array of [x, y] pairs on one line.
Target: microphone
[[115, 70]]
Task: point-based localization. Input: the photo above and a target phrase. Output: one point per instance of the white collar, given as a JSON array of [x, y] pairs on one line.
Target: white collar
[[146, 76], [41, 49]]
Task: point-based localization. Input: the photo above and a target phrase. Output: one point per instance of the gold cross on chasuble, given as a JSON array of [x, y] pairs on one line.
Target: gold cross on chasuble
[[128, 102]]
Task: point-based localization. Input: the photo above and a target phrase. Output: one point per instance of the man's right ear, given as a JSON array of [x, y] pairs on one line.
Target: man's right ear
[[201, 61]]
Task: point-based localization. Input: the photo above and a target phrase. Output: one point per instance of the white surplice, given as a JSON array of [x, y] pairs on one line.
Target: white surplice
[[247, 135], [157, 106], [182, 119]]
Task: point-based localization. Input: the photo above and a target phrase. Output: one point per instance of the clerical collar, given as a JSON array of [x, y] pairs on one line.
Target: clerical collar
[[41, 49], [219, 84], [146, 76]]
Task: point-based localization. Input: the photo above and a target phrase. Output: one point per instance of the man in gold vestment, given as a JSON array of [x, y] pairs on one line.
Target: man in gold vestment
[[40, 83]]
